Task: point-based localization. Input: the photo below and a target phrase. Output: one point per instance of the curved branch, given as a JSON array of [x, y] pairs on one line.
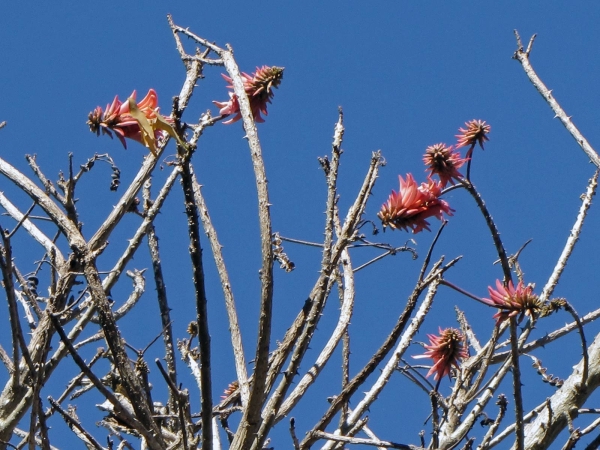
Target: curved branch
[[251, 419]]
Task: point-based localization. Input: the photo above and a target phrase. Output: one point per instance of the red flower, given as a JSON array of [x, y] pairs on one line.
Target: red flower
[[447, 350], [512, 302], [124, 118], [413, 204], [444, 162], [259, 88], [476, 131]]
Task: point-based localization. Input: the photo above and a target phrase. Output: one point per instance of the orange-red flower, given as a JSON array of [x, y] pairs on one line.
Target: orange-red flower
[[476, 131], [513, 301], [118, 117], [447, 349], [233, 386], [444, 162], [259, 88], [412, 205]]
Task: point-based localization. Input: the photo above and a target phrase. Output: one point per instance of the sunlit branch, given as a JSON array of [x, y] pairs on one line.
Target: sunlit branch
[[361, 441], [251, 418], [389, 368], [340, 328], [379, 355], [523, 57], [272, 407], [572, 239], [550, 337], [234, 329]]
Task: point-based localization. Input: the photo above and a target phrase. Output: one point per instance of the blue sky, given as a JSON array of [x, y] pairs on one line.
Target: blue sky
[[407, 75]]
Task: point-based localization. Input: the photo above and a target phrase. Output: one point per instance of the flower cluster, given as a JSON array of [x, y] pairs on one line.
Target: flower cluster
[[413, 204], [141, 121], [259, 88], [444, 162], [519, 301], [447, 349], [476, 131]]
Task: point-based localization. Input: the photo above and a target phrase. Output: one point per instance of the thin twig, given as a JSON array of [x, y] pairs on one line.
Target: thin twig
[[76, 426], [550, 337], [293, 434], [502, 404], [176, 394], [586, 359], [18, 340], [346, 311], [493, 230], [430, 251], [319, 294], [118, 407], [161, 294], [31, 228]]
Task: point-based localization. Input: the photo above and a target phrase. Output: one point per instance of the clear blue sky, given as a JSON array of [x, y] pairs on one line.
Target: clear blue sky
[[407, 75]]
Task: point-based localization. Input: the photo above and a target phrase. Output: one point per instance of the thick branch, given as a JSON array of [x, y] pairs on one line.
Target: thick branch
[[251, 419]]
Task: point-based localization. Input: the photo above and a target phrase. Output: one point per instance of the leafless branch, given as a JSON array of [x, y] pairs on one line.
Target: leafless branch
[[234, 329], [572, 239], [523, 58]]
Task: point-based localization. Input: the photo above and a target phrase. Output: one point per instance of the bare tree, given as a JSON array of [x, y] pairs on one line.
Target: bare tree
[[79, 299]]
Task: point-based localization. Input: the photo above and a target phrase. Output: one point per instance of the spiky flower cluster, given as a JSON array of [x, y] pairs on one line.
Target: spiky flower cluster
[[476, 131], [519, 301], [259, 88], [413, 204], [444, 162], [141, 121], [446, 349]]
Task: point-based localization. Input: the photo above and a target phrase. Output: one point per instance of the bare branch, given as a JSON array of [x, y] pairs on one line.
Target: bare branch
[[381, 353], [523, 58], [389, 368], [161, 290], [195, 249], [360, 441], [251, 419], [76, 426], [234, 329], [572, 240], [118, 407]]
